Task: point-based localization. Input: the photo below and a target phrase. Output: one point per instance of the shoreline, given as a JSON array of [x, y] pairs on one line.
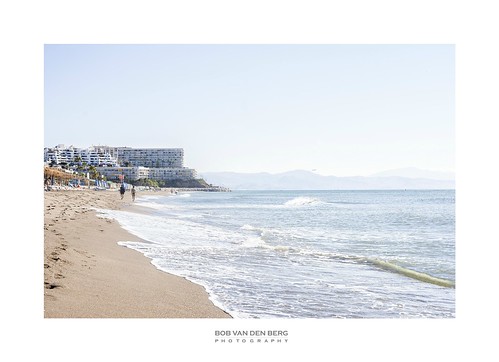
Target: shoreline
[[88, 275]]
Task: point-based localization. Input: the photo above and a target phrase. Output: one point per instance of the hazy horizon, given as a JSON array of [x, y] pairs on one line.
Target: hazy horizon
[[375, 174]]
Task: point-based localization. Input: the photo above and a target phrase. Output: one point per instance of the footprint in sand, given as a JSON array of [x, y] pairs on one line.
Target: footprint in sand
[[51, 285]]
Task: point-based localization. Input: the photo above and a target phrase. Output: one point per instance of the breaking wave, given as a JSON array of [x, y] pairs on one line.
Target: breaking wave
[[303, 201]]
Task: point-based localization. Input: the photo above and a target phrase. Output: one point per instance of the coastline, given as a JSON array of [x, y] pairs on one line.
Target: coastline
[[88, 275]]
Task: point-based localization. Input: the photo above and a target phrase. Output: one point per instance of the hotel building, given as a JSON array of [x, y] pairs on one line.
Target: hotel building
[[131, 163], [148, 157]]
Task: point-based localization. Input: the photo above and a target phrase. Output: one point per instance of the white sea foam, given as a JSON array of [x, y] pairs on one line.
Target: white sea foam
[[253, 242], [248, 227], [149, 197], [150, 205], [302, 201]]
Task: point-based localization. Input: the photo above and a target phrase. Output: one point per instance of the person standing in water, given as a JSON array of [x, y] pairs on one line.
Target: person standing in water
[[133, 193]]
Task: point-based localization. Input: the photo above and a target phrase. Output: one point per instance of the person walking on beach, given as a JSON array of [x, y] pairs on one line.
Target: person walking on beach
[[122, 190], [133, 193]]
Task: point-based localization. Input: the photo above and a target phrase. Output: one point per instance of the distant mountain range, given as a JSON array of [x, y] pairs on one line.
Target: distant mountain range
[[413, 172], [409, 178]]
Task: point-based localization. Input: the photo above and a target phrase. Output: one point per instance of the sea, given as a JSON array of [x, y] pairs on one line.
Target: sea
[[306, 254]]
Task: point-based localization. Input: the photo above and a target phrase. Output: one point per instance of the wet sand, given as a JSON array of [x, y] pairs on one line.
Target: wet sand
[[88, 275]]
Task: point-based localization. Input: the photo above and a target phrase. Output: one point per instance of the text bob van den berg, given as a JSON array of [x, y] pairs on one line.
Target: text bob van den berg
[[251, 333]]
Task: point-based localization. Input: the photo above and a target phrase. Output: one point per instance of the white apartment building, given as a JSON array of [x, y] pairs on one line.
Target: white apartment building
[[70, 155], [167, 173], [129, 173], [147, 157]]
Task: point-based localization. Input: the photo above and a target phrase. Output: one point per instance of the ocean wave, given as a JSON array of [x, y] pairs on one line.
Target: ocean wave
[[427, 278], [150, 205], [303, 201], [249, 227], [253, 242], [382, 264]]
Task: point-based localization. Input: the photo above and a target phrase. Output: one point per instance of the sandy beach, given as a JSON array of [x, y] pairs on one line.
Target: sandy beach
[[88, 275]]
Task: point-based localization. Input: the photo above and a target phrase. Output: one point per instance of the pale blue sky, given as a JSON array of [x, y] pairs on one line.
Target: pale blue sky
[[339, 109]]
